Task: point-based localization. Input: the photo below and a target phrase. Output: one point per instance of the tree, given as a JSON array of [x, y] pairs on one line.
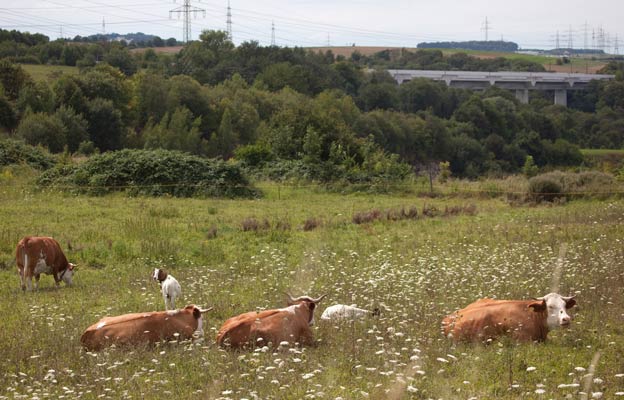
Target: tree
[[37, 97], [421, 94], [109, 83], [186, 91], [121, 58], [8, 117], [278, 76], [176, 132], [106, 128], [378, 96], [224, 140], [613, 95], [75, 127], [529, 169], [67, 92], [71, 54], [151, 92], [13, 78], [42, 129]]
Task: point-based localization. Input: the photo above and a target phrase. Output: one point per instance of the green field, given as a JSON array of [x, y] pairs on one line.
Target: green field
[[602, 152], [48, 72], [415, 270]]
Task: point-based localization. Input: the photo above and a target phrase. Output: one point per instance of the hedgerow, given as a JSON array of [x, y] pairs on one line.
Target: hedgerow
[[16, 152], [556, 184], [151, 172]]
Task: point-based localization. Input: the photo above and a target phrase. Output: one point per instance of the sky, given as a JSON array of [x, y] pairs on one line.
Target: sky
[[404, 23]]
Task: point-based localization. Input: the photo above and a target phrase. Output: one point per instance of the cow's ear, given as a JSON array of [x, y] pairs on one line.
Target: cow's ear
[[196, 313], [538, 305], [570, 303], [311, 306]]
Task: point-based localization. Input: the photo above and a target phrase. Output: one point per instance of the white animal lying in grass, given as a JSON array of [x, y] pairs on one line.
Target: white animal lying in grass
[[341, 312], [170, 287]]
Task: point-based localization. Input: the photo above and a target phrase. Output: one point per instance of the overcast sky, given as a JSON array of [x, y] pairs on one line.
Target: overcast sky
[[530, 23]]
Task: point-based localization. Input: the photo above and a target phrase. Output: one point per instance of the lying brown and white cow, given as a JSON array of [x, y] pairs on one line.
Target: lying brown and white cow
[[271, 327], [147, 327], [42, 255], [523, 320]]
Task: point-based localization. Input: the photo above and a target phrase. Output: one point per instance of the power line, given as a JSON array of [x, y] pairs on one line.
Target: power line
[[186, 9], [229, 22], [486, 27], [272, 33]]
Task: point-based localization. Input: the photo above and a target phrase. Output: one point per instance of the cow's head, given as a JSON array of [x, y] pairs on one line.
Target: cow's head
[[555, 307], [307, 302], [159, 275], [68, 275], [197, 314]]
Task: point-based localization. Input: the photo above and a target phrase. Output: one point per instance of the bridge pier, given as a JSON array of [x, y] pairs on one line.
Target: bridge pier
[[522, 95], [561, 97]]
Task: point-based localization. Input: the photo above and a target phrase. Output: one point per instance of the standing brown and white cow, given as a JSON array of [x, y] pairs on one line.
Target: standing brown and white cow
[[147, 327], [523, 320], [42, 255], [271, 327]]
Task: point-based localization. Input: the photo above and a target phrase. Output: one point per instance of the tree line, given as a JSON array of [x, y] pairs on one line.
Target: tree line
[[292, 112]]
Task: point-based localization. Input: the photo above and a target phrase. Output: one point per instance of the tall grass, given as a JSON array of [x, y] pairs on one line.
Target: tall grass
[[415, 270]]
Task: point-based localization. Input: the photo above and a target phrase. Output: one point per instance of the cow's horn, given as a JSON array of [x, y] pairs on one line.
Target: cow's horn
[[538, 298], [568, 298], [205, 310], [290, 298], [319, 299]]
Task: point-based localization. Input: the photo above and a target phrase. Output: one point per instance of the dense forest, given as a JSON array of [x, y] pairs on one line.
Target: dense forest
[[289, 112], [482, 45]]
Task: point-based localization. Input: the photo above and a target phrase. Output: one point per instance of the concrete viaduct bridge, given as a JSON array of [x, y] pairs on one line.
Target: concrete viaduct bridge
[[521, 82]]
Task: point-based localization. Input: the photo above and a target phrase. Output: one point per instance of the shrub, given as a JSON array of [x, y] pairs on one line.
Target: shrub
[[151, 172], [366, 217], [529, 169], [43, 129], [254, 155], [16, 152], [86, 148], [544, 188], [402, 213], [252, 224], [583, 184], [430, 211], [311, 224]]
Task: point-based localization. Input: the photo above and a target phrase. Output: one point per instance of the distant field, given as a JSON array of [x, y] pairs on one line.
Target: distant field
[[602, 152], [48, 72], [608, 160], [576, 65], [166, 49]]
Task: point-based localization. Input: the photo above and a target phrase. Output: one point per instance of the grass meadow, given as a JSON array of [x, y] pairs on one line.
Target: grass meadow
[[415, 270], [48, 72]]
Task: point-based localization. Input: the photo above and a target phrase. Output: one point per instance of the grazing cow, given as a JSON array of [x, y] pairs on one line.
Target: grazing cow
[[341, 312], [271, 327], [144, 328], [169, 286], [42, 255], [523, 320]]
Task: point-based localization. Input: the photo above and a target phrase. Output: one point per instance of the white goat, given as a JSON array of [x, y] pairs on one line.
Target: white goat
[[341, 312], [169, 286]]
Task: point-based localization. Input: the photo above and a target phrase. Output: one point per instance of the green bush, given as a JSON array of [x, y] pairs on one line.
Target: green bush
[[16, 152], [254, 155], [151, 172], [569, 184], [543, 188], [43, 129]]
